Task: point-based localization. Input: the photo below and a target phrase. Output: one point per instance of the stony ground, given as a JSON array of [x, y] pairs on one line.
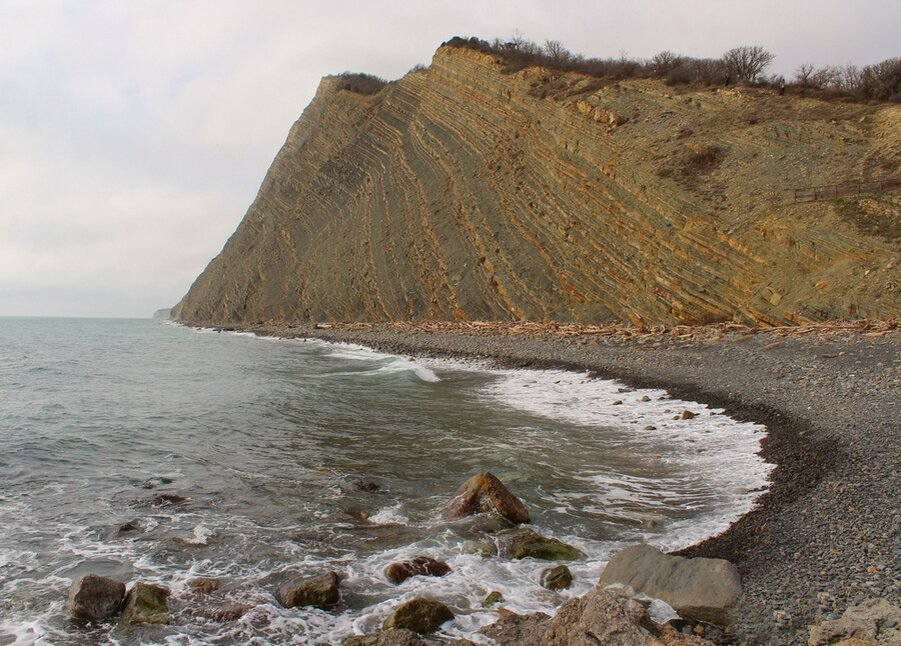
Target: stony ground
[[828, 533]]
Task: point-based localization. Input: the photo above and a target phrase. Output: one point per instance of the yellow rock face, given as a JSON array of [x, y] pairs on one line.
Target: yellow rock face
[[464, 192]]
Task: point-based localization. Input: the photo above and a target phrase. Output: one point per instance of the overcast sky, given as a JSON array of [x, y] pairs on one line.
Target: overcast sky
[[134, 133]]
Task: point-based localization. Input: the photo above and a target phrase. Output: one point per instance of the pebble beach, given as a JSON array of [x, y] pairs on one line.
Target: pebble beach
[[827, 534]]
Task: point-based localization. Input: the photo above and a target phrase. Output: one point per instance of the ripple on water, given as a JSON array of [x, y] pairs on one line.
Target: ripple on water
[[266, 442]]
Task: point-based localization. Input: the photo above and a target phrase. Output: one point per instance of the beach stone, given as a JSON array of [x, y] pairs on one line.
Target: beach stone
[[204, 584], [875, 621], [417, 566], [420, 615], [687, 414], [484, 493], [399, 637], [146, 603], [522, 542], [698, 588], [597, 617], [492, 598], [556, 578], [95, 597], [512, 629], [320, 591]]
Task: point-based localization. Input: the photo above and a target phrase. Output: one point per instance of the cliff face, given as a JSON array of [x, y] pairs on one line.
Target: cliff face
[[462, 192]]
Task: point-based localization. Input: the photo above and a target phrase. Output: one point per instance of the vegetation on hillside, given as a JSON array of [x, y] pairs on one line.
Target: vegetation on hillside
[[745, 64]]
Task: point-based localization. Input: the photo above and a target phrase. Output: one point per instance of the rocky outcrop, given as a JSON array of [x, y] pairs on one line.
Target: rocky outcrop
[[419, 615], [698, 588], [95, 597], [400, 571], [320, 591], [146, 603], [464, 192], [484, 493]]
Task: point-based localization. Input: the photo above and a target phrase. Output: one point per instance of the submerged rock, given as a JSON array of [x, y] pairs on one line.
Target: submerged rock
[[367, 486], [874, 621], [165, 499], [417, 566], [698, 588], [388, 638], [146, 603], [95, 597], [320, 591], [492, 598], [556, 578], [483, 493], [420, 615], [523, 542]]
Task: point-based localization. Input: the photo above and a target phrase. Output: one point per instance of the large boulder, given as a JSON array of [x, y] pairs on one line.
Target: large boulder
[[874, 621], [512, 629], [146, 603], [699, 588], [387, 638], [320, 591], [484, 493], [522, 542], [400, 571], [420, 615], [597, 617], [95, 597]]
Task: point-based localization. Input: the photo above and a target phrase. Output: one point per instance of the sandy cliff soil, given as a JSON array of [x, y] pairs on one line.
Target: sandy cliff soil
[[463, 192]]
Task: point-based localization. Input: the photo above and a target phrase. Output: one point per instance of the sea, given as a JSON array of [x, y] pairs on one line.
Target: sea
[[147, 451]]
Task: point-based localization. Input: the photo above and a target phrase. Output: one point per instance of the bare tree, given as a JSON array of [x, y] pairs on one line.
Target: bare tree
[[851, 78], [827, 76], [747, 62], [804, 74], [664, 62], [556, 52]]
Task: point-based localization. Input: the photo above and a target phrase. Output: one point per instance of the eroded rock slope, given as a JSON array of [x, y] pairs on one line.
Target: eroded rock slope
[[464, 192]]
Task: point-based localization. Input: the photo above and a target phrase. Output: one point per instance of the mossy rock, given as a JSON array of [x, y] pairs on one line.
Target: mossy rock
[[320, 591], [146, 603], [492, 598], [523, 543], [556, 578], [420, 615]]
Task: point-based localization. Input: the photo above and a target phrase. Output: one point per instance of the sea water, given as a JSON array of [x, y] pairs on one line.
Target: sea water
[[268, 440]]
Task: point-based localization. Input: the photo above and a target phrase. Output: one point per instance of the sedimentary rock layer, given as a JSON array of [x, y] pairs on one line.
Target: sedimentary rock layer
[[464, 192]]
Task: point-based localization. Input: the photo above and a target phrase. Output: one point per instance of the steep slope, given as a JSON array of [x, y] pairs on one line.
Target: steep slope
[[463, 192]]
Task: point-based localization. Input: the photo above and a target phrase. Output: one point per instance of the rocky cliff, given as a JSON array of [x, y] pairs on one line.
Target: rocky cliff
[[464, 192]]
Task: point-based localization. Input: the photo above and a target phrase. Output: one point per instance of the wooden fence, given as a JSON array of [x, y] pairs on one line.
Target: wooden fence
[[814, 193]]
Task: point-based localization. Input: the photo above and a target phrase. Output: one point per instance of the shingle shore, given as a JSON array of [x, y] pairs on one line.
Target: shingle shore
[[828, 533]]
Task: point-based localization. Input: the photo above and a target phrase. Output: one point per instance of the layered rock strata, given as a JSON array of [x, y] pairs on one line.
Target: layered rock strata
[[462, 192]]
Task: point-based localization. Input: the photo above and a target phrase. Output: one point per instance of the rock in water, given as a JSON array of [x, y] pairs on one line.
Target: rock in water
[[420, 615], [146, 603], [484, 493], [698, 588], [95, 597], [874, 621], [320, 591], [419, 565], [523, 542], [556, 578], [492, 598], [387, 638]]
